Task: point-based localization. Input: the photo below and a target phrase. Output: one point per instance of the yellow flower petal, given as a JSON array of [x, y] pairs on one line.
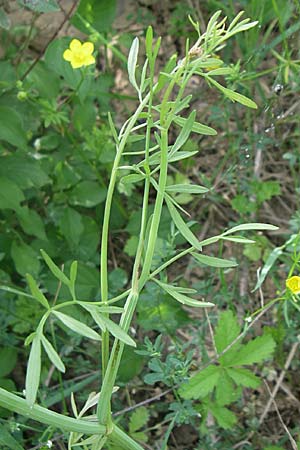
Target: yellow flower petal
[[75, 63], [89, 60], [88, 48], [68, 55], [293, 284], [75, 45]]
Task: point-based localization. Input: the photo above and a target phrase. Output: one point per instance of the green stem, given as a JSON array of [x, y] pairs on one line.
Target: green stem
[[105, 228], [19, 405], [122, 440]]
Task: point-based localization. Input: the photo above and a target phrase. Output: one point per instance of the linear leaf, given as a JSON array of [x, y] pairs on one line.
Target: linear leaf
[[53, 355], [54, 269], [6, 439], [184, 133], [15, 291], [214, 262], [183, 298], [187, 188], [239, 239], [77, 327], [234, 96], [33, 371], [132, 62], [197, 127], [93, 310], [182, 226], [118, 332], [273, 256], [38, 295], [251, 226], [133, 178]]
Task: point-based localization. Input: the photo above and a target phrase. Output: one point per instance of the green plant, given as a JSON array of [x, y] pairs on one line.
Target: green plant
[[160, 106]]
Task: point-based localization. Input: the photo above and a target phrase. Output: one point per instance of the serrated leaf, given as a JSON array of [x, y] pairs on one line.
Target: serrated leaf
[[243, 377], [225, 418], [77, 327], [54, 269], [201, 384], [33, 371], [226, 331], [182, 226], [53, 355], [38, 295], [184, 133], [197, 127], [138, 419], [183, 298], [255, 351], [212, 261], [250, 226], [132, 62], [187, 189], [11, 127], [225, 390]]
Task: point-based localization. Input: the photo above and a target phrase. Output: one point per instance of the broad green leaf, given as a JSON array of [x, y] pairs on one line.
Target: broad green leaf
[[33, 371], [132, 62], [182, 226], [4, 20], [98, 13], [41, 6], [8, 360], [87, 194], [243, 377], [183, 298], [250, 226], [227, 330], [77, 327], [11, 127], [31, 222], [184, 133], [225, 390], [118, 332], [53, 355], [225, 418], [71, 226], [197, 127], [187, 189], [8, 441], [255, 351], [213, 262], [23, 170], [25, 258], [10, 194], [54, 269], [38, 295], [202, 384]]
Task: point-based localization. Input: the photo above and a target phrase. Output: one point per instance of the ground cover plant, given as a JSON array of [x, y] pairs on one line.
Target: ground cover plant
[[175, 180]]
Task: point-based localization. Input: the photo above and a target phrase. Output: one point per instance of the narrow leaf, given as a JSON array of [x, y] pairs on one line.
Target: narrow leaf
[[238, 239], [133, 178], [187, 188], [54, 269], [182, 226], [118, 332], [251, 226], [77, 327], [113, 129], [197, 126], [184, 133], [33, 371], [38, 295], [98, 318], [273, 256], [15, 291], [183, 298], [132, 62], [214, 262], [53, 355]]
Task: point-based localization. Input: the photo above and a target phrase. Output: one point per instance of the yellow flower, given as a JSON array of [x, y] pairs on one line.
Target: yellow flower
[[293, 284], [79, 54]]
